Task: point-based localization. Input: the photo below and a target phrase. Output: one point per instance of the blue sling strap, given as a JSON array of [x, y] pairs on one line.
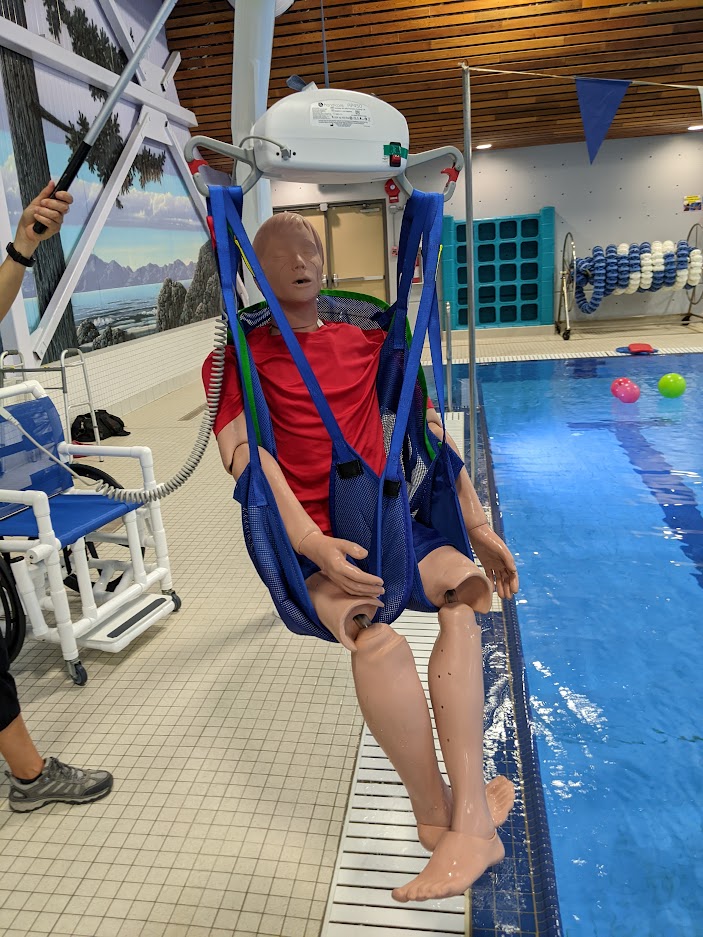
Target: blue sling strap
[[361, 509], [372, 511], [265, 535]]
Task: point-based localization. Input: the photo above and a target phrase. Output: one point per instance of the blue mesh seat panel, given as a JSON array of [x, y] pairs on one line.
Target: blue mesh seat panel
[[354, 514], [273, 556]]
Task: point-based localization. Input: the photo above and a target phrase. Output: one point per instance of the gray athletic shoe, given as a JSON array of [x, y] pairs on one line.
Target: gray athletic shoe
[[59, 784]]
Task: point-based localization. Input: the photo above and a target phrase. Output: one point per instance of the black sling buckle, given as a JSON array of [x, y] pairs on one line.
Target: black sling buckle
[[350, 469], [391, 489]]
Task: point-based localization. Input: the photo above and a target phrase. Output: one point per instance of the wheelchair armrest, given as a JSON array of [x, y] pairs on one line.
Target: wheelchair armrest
[[30, 498], [124, 452], [38, 501], [143, 453]]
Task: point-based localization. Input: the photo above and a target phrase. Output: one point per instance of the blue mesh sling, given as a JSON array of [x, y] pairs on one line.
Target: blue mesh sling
[[419, 476]]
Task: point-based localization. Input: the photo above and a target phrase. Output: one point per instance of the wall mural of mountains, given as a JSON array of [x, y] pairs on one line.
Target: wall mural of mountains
[[101, 275]]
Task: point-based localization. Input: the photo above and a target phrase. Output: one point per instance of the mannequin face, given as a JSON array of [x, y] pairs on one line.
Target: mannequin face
[[292, 264]]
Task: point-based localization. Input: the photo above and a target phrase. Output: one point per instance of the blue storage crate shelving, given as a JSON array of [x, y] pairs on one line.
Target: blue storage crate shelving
[[513, 270]]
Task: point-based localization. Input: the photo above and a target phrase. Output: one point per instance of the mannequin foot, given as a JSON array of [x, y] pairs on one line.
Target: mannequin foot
[[500, 794], [457, 862]]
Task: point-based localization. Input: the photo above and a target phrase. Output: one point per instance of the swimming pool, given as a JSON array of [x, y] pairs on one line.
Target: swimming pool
[[602, 505]]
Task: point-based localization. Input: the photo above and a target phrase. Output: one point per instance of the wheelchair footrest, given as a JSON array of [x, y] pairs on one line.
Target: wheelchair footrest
[[116, 632]]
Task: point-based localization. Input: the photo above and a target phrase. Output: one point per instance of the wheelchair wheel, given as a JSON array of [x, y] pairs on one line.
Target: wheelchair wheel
[[13, 623], [94, 474]]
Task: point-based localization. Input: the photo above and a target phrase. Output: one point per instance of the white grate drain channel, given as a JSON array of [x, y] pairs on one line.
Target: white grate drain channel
[[379, 849]]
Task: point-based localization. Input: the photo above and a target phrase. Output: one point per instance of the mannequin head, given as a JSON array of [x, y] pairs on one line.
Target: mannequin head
[[291, 256]]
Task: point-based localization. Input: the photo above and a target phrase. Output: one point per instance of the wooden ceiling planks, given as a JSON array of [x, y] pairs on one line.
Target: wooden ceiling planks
[[408, 53]]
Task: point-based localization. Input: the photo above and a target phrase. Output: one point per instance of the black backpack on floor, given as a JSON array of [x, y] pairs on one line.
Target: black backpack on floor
[[108, 425]]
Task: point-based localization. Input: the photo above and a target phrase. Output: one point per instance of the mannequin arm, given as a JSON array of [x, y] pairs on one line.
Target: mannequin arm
[[495, 558], [234, 452], [329, 553], [471, 509]]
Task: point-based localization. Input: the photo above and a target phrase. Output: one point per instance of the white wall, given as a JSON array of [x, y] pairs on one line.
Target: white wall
[[633, 192], [127, 376]]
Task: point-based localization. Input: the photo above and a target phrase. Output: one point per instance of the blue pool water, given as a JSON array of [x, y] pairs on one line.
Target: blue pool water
[[602, 505]]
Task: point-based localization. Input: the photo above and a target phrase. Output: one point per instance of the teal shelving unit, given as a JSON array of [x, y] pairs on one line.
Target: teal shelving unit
[[513, 270]]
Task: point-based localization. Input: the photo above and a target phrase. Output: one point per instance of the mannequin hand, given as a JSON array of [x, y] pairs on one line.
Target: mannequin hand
[[496, 559], [330, 554]]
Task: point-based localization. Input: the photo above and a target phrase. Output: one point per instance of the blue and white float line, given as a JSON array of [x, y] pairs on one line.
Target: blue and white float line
[[636, 268]]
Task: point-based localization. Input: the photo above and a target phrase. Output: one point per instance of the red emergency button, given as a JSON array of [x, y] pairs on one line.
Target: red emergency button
[[395, 160]]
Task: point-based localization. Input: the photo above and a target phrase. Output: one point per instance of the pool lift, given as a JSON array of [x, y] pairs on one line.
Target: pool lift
[[328, 135], [313, 135]]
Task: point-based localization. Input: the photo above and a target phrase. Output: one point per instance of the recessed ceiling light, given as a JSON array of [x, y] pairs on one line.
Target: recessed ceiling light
[[487, 146], [696, 127]]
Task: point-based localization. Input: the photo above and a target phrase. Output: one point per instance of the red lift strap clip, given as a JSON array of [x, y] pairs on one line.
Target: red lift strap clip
[[195, 164], [452, 172]]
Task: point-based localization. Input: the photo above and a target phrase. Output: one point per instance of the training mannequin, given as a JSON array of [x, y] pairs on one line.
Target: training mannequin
[[457, 822]]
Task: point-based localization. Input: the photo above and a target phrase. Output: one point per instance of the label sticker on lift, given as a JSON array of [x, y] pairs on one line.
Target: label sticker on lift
[[340, 114]]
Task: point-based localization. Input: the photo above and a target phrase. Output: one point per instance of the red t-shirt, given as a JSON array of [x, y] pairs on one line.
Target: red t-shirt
[[344, 359]]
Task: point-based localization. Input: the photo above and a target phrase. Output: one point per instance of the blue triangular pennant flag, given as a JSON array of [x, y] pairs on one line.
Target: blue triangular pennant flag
[[599, 100]]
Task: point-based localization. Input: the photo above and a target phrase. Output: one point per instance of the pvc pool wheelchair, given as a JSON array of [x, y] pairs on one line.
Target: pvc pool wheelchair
[[48, 532]]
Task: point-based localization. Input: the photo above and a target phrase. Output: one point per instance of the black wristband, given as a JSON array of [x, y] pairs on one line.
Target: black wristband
[[19, 258]]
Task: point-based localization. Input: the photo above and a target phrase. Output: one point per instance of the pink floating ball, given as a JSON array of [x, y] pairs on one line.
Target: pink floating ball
[[625, 390], [618, 383]]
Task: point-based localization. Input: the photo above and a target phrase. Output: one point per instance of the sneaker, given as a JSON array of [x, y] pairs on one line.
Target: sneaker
[[59, 784]]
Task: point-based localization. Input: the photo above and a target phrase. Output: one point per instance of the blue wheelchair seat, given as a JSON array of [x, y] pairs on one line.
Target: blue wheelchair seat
[[24, 467], [72, 517]]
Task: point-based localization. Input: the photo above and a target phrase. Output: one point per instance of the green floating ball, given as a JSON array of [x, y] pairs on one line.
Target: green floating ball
[[671, 385]]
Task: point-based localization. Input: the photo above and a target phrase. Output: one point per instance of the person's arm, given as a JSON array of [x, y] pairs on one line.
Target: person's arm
[[50, 212], [329, 553]]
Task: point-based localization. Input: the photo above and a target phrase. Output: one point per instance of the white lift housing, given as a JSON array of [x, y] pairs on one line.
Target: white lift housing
[[331, 135]]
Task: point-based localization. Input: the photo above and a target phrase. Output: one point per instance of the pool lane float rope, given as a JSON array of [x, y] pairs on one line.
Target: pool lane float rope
[[636, 268]]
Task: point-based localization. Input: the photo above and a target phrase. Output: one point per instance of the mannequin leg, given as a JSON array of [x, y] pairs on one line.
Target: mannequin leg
[[456, 688], [446, 570], [390, 696], [394, 706]]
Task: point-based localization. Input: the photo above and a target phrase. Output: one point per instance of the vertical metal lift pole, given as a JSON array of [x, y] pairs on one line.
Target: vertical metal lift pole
[[251, 68], [468, 182]]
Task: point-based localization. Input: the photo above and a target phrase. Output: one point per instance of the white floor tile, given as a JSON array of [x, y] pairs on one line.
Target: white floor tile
[[232, 741]]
